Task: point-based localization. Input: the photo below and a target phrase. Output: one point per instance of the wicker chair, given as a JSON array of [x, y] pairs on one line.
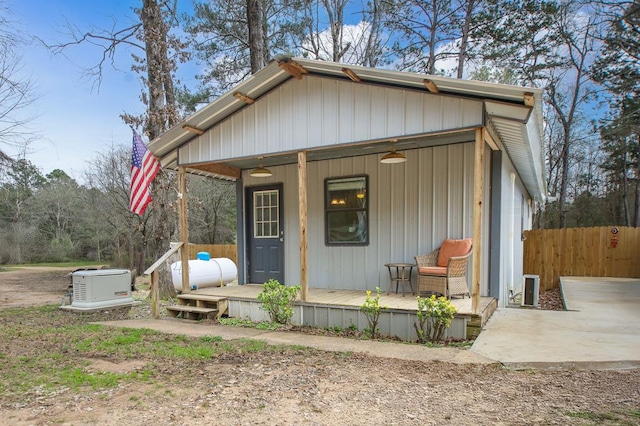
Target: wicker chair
[[449, 280]]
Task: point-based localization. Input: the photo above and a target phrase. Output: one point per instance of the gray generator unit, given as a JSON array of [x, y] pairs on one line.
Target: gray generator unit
[[99, 289]]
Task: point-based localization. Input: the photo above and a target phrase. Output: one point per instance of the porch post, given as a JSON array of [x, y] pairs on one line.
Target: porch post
[[302, 212], [155, 282], [184, 227], [478, 195]]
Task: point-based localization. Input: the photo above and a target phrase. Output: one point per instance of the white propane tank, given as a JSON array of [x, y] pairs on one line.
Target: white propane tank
[[205, 272]]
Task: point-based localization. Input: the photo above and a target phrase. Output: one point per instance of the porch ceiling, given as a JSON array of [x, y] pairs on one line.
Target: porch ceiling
[[366, 148]]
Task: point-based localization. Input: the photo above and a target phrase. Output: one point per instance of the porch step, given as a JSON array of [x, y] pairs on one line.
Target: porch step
[[198, 306], [201, 297], [190, 312]]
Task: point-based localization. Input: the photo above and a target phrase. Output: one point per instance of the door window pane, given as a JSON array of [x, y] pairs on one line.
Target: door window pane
[[265, 215]]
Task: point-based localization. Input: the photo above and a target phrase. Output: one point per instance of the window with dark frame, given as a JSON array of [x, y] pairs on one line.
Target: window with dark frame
[[346, 211]]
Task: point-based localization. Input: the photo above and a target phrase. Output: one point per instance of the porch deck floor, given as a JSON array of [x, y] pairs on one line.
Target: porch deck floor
[[353, 298]]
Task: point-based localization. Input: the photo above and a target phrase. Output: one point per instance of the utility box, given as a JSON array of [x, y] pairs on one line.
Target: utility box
[[530, 290], [98, 289]]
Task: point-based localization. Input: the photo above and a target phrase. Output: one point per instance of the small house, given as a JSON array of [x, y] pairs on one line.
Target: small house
[[303, 140]]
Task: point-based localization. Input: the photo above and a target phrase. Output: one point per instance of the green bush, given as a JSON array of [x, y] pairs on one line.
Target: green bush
[[372, 309], [277, 300], [434, 316]]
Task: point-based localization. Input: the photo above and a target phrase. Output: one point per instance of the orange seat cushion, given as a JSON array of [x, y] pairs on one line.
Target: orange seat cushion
[[432, 270], [453, 248]]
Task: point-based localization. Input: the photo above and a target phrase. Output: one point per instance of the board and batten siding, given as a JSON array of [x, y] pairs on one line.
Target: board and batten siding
[[413, 206], [318, 112]]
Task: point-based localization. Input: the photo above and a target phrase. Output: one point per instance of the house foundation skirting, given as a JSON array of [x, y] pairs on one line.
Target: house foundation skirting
[[394, 323]]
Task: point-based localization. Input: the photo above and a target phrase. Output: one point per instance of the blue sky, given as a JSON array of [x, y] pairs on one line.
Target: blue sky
[[74, 119]]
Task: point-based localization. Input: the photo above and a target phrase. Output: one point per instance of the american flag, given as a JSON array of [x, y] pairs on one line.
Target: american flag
[[144, 167]]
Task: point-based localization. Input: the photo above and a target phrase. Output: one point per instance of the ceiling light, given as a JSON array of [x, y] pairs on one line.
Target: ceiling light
[[393, 157], [260, 171]]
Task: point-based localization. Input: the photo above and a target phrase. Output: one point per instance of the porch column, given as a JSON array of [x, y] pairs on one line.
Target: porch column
[[302, 213], [478, 195], [184, 227]]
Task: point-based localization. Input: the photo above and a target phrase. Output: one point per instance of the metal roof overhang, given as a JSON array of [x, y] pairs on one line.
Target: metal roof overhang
[[518, 126]]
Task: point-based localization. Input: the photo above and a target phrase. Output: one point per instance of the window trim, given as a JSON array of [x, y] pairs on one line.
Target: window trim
[[327, 211]]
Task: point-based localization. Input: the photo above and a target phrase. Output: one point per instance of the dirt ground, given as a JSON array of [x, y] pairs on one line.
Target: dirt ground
[[319, 388]]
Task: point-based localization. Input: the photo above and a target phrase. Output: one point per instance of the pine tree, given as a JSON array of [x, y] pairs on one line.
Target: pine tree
[[618, 70]]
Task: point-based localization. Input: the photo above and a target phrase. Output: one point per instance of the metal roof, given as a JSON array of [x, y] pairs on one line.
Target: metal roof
[[513, 113]]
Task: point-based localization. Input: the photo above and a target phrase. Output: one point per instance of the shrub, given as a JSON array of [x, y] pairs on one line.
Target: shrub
[[434, 316], [372, 309], [277, 300]]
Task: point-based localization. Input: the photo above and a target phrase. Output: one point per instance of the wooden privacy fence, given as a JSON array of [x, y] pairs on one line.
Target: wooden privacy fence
[[229, 251], [591, 252]]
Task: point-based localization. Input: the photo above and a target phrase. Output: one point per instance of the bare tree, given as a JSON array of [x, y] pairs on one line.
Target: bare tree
[[329, 45], [17, 189], [467, 19], [156, 53], [434, 36], [373, 50], [108, 178], [548, 44], [212, 213], [422, 28], [16, 91], [569, 90]]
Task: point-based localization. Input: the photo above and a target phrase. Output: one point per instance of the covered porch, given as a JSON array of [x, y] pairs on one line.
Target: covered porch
[[329, 308]]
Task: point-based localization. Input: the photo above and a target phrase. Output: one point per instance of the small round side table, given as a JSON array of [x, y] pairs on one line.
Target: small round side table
[[400, 273]]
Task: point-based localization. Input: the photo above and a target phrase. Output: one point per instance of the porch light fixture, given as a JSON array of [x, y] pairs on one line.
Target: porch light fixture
[[393, 156], [260, 171]]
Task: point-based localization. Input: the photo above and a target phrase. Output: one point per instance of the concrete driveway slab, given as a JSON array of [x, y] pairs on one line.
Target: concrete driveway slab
[[601, 329]]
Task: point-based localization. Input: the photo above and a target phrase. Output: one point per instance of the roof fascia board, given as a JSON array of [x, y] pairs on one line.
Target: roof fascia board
[[513, 93]]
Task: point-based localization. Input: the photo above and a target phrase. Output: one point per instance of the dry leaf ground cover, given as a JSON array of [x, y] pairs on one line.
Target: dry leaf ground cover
[[57, 368]]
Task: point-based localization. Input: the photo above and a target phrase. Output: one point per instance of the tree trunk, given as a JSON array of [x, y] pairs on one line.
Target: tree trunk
[[636, 205], [256, 35], [462, 54], [373, 41], [161, 113], [625, 188], [431, 68], [335, 15], [152, 26], [564, 180]]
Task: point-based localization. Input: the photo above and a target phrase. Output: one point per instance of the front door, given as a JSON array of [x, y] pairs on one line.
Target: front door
[[265, 234]]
